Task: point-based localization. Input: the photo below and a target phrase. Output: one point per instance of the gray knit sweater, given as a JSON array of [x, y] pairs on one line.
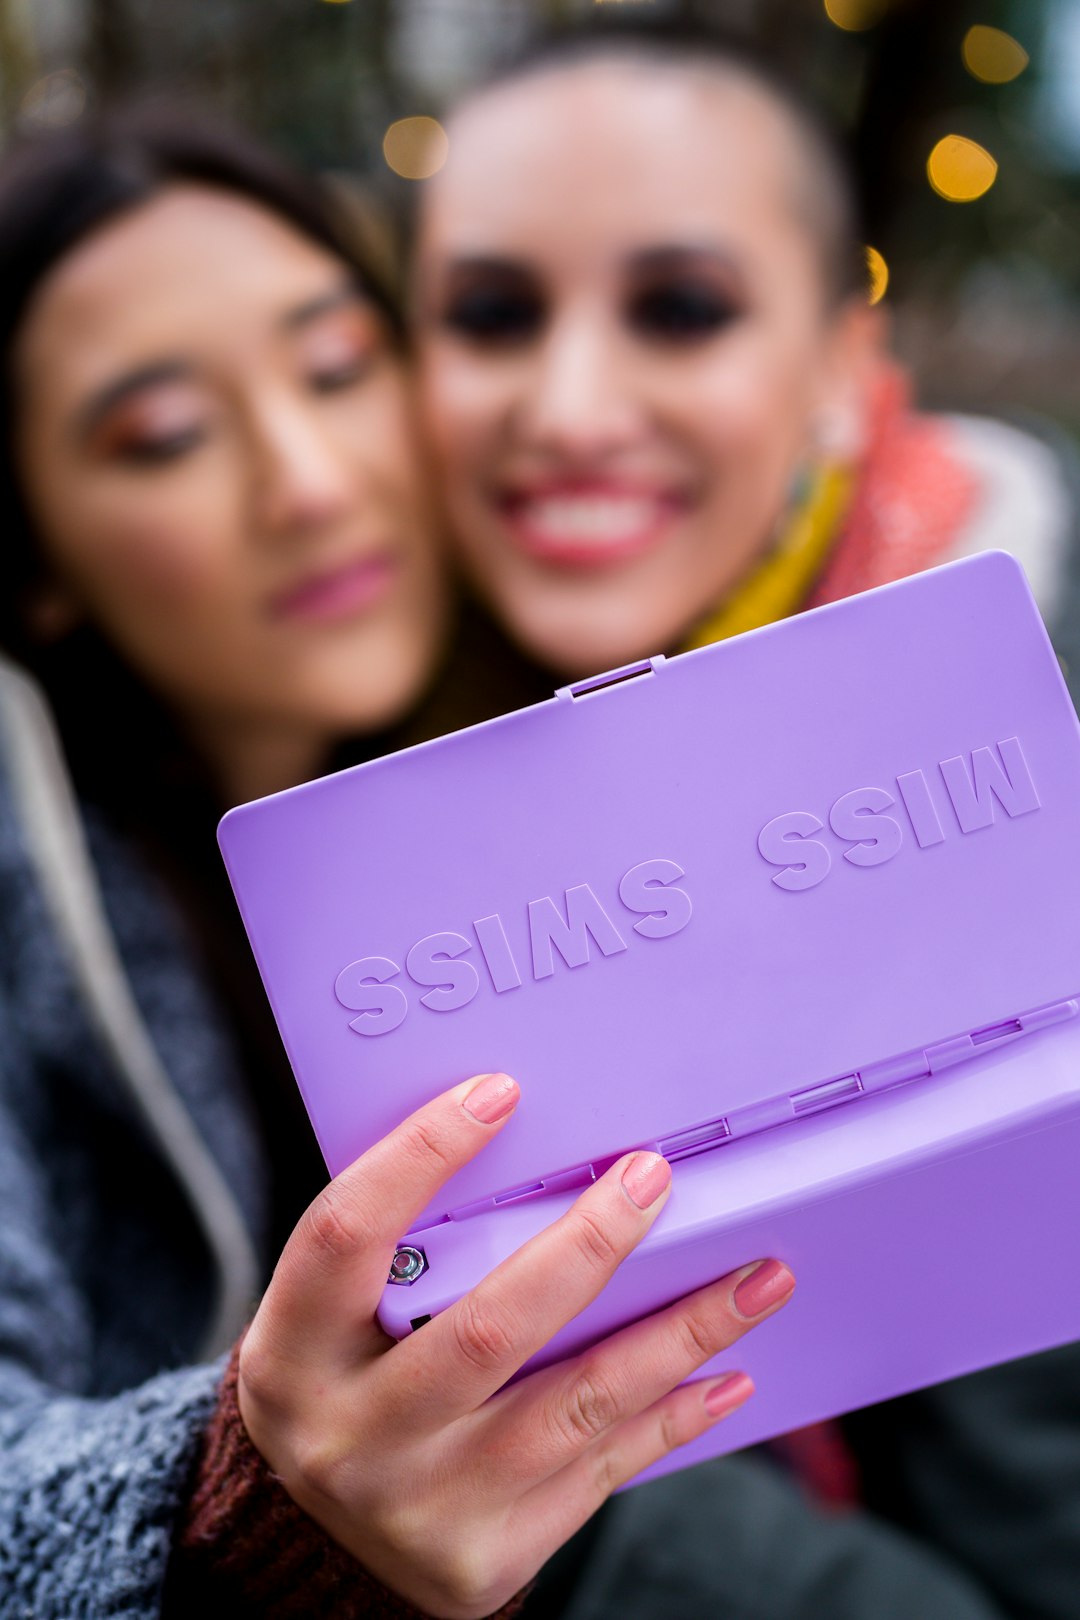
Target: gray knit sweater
[[106, 1280]]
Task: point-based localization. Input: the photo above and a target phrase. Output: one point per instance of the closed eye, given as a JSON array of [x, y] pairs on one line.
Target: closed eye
[[156, 450], [345, 374]]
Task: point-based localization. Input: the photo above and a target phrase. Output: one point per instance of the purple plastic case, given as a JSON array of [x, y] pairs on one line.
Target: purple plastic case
[[801, 909]]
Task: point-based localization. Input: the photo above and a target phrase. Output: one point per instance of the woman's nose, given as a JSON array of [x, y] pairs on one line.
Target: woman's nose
[[579, 403], [302, 477]]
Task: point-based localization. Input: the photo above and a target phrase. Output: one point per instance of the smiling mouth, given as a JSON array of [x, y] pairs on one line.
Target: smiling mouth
[[587, 528], [337, 593]]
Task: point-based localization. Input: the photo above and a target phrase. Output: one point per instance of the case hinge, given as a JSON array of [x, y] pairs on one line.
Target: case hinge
[[944, 1054], [700, 1139], [827, 1095], [563, 1181], [988, 1039], [779, 1110]]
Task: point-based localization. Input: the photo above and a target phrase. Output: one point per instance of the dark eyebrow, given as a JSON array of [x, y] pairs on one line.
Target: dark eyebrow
[[167, 371], [664, 254], [349, 292], [660, 256], [129, 382], [489, 264]]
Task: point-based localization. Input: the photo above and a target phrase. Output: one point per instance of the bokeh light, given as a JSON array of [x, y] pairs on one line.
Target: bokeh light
[[992, 55], [960, 170], [416, 148], [878, 272], [54, 101], [854, 16]]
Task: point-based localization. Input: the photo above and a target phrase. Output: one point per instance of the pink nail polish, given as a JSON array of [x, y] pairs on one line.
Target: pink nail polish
[[767, 1285], [645, 1178], [492, 1098], [728, 1394]]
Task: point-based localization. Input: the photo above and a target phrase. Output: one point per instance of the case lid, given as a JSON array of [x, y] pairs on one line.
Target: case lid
[[733, 875]]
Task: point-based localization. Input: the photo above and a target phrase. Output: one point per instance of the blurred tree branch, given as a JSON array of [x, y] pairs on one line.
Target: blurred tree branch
[[111, 54], [18, 54]]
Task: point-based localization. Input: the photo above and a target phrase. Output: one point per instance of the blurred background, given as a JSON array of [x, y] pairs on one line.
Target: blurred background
[[963, 118]]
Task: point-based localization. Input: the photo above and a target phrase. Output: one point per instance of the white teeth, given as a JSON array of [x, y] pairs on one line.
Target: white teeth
[[589, 519]]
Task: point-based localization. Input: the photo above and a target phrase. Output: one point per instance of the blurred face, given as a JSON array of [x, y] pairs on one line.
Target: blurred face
[[627, 351], [217, 450]]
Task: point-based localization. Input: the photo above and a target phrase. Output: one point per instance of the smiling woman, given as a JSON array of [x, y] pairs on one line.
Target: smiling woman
[[659, 398], [636, 327]]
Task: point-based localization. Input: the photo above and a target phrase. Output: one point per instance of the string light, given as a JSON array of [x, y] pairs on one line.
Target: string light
[[992, 55], [855, 16], [416, 148], [878, 272], [960, 170]]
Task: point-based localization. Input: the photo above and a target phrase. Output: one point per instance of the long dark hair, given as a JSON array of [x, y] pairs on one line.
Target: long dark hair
[[127, 755], [56, 189]]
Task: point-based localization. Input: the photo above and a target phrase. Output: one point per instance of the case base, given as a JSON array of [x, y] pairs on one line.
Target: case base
[[932, 1231]]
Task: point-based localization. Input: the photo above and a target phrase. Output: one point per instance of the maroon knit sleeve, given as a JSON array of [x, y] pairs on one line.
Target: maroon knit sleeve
[[244, 1548]]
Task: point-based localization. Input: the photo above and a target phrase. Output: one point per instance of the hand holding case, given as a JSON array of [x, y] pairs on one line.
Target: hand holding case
[[794, 908]]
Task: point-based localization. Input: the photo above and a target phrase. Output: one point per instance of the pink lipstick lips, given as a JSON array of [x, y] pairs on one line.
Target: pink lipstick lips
[[336, 593]]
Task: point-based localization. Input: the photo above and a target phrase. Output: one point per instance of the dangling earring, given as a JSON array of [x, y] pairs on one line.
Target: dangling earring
[[838, 434], [800, 492], [800, 485]]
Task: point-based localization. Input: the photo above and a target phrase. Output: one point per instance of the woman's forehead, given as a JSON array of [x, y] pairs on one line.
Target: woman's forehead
[[170, 246], [606, 147], [193, 263]]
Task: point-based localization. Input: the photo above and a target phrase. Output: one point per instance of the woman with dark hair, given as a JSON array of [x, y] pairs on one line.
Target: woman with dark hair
[[660, 402], [662, 413], [218, 569]]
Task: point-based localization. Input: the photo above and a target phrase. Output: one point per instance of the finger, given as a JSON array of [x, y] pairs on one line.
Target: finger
[[564, 1410], [562, 1503], [469, 1351], [334, 1267]]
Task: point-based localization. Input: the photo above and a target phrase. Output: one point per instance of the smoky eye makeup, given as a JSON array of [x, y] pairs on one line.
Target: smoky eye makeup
[[680, 311], [493, 306], [682, 295]]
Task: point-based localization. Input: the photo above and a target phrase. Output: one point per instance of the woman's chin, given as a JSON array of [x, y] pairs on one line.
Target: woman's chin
[[573, 654]]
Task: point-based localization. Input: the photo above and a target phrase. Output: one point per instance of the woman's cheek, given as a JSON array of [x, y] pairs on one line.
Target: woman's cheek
[[463, 405], [755, 416], [164, 564]]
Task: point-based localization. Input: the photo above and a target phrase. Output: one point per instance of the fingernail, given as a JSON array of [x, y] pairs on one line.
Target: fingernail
[[645, 1178], [766, 1285], [492, 1098], [728, 1394]]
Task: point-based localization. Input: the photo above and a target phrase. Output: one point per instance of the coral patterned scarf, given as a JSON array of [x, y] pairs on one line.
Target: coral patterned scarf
[[900, 511]]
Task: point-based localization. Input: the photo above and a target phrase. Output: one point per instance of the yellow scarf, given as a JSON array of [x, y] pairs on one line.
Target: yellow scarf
[[780, 584]]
